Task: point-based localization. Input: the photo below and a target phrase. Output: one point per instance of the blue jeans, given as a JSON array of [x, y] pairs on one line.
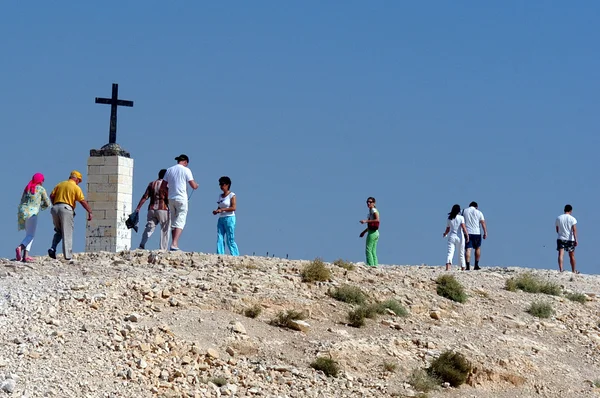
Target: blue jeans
[[226, 230]]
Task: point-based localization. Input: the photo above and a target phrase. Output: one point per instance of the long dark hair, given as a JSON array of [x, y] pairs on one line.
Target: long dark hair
[[454, 212]]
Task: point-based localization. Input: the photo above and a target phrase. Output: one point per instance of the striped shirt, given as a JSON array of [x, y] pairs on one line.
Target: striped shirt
[[157, 192]]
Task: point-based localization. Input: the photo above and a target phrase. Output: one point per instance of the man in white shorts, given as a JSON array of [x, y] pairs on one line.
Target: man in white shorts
[[177, 178]]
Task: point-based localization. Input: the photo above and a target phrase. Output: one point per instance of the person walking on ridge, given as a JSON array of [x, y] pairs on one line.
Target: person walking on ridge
[[64, 198], [177, 178], [226, 205], [158, 210], [457, 235], [473, 220], [372, 232], [566, 228], [33, 200]]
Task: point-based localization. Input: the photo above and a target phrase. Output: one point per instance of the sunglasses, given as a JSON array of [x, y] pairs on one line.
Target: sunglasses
[[370, 201]]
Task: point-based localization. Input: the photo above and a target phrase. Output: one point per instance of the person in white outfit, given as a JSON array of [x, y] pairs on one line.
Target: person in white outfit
[[566, 228], [457, 236], [178, 177]]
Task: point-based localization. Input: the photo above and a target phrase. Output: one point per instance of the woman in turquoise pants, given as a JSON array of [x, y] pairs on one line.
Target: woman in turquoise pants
[[372, 232], [226, 205]]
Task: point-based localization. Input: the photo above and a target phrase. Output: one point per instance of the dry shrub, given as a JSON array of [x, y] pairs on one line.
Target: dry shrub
[[422, 381], [326, 365], [577, 297], [315, 271], [390, 367], [530, 283], [344, 264], [541, 309], [348, 294], [284, 319], [451, 367], [254, 311], [392, 305], [450, 288]]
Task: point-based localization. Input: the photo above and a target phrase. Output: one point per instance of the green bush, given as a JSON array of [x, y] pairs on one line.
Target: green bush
[[327, 366], [451, 367], [450, 288], [284, 319], [530, 283], [578, 297], [541, 309], [422, 381], [348, 294], [253, 312], [550, 288], [344, 264], [316, 271], [393, 305], [357, 316]]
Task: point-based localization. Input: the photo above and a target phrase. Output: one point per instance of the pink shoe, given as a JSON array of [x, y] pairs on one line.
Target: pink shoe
[[29, 260], [18, 252]]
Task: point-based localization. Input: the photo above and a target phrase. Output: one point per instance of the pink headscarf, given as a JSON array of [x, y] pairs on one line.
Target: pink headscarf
[[37, 178]]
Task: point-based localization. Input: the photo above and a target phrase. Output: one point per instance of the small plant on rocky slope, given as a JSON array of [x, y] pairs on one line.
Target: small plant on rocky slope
[[344, 264], [530, 283], [390, 367], [218, 381], [450, 288], [348, 294], [451, 367], [422, 381], [392, 305], [316, 271], [541, 309], [596, 383], [578, 297], [284, 319], [254, 311], [357, 316], [327, 366]]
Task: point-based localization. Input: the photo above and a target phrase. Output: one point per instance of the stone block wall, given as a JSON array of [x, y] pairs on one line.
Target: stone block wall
[[109, 193]]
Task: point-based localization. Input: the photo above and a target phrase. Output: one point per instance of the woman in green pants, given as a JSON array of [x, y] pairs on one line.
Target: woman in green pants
[[372, 232]]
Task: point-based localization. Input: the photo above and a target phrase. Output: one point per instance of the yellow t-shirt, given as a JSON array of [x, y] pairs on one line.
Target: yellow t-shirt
[[67, 192]]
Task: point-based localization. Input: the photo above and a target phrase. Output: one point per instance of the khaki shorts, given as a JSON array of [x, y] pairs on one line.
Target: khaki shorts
[[178, 211]]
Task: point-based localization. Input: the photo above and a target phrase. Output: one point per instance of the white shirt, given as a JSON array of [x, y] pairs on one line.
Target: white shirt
[[225, 202], [454, 225], [178, 177], [473, 218], [565, 223]]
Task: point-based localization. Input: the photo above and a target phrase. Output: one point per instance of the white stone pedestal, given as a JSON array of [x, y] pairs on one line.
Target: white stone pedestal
[[109, 193]]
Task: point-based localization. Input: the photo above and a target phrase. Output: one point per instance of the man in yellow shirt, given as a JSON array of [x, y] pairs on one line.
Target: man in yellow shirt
[[64, 198]]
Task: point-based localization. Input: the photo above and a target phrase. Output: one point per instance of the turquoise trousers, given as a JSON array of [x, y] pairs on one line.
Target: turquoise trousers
[[226, 233]]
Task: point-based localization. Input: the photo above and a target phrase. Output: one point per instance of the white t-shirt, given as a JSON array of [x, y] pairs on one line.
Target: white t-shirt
[[225, 202], [178, 177], [565, 223], [473, 218], [455, 224]]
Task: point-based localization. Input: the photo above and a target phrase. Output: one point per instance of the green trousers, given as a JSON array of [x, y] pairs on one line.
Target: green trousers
[[372, 238]]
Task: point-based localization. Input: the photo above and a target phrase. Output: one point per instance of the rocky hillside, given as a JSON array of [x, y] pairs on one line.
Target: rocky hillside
[[146, 324]]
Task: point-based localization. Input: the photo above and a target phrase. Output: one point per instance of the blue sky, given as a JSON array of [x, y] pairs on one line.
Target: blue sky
[[311, 107]]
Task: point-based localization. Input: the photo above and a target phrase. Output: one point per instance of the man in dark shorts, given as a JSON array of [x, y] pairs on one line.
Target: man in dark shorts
[[566, 228], [473, 220]]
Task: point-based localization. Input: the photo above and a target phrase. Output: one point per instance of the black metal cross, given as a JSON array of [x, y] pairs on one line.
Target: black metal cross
[[114, 101]]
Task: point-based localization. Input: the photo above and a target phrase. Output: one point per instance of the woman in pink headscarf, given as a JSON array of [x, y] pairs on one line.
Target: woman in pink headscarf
[[33, 200]]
